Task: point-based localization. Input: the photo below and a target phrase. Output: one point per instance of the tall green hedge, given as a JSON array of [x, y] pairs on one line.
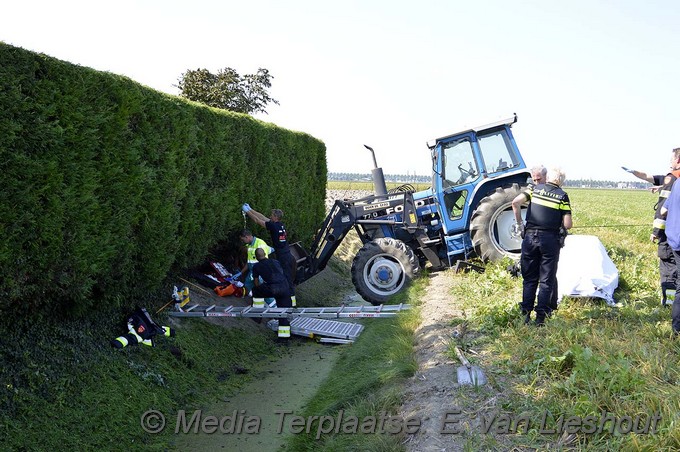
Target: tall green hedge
[[109, 185]]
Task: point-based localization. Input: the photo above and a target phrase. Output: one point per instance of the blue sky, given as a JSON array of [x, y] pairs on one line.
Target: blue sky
[[594, 83]]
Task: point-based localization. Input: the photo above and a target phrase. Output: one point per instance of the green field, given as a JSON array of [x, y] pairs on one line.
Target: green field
[[590, 359]]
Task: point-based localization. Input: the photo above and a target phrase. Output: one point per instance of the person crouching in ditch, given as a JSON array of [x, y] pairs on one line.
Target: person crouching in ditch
[[273, 284]]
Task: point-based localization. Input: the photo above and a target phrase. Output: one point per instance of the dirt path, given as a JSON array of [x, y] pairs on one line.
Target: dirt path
[[433, 390]]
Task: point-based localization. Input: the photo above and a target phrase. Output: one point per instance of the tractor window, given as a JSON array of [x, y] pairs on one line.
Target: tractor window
[[455, 203], [497, 152], [459, 163]]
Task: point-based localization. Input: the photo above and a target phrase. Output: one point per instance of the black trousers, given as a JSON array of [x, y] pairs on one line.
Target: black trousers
[[289, 267], [540, 255], [277, 291], [675, 312], [553, 295], [667, 270]]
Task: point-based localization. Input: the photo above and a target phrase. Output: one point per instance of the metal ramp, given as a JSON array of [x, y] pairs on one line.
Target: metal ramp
[[323, 330]]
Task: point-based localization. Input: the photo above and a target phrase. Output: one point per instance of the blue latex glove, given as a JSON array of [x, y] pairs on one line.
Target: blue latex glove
[[626, 169], [245, 207]]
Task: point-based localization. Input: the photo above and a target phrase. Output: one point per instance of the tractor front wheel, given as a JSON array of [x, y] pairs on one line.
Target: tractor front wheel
[[382, 268]]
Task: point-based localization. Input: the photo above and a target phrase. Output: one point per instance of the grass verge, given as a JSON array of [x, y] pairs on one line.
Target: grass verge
[[592, 362], [63, 387], [365, 383]]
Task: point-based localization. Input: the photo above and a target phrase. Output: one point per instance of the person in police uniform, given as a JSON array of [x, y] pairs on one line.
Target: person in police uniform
[[538, 173], [667, 266], [548, 210]]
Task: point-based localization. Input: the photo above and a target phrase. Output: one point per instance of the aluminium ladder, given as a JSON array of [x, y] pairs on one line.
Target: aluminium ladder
[[320, 313], [308, 322]]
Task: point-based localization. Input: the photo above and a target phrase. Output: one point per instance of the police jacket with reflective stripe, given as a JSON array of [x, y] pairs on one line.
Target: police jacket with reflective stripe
[[548, 203]]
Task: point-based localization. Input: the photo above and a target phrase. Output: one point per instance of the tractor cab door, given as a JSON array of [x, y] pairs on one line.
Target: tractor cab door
[[456, 173], [463, 162]]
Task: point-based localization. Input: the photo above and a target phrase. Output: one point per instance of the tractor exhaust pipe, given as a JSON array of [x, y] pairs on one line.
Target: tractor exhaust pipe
[[378, 176]]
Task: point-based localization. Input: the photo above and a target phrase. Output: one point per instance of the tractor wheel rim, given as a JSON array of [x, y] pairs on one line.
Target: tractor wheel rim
[[500, 230], [384, 274]]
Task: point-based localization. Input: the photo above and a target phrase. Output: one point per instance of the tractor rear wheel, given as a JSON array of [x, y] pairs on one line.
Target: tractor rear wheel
[[382, 268], [491, 225]]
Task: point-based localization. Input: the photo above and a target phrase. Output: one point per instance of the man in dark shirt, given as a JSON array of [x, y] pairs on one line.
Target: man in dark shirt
[[667, 266], [280, 243], [548, 209], [538, 174], [274, 285]]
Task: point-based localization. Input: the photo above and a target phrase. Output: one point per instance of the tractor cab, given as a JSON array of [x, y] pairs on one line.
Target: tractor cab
[[468, 166]]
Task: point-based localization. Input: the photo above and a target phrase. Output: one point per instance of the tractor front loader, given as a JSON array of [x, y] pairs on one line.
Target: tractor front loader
[[476, 173]]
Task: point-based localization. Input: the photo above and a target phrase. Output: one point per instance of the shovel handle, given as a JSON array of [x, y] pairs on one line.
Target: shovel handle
[[462, 358]]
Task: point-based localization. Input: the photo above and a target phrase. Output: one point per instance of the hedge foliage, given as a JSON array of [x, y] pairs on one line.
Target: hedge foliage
[[109, 185]]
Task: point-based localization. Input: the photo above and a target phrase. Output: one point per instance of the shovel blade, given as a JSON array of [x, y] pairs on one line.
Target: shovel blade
[[472, 375]]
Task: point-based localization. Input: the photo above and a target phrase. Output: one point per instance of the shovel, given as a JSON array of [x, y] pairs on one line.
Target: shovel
[[467, 373]]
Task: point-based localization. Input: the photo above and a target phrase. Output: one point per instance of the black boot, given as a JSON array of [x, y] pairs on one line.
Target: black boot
[[540, 319], [527, 316]]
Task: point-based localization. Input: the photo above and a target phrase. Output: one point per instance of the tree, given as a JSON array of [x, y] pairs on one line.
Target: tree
[[228, 90]]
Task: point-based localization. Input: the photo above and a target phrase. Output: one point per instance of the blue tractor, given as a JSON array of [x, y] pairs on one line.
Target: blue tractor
[[476, 173]]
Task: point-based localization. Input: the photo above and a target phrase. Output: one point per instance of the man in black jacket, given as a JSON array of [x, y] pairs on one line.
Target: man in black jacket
[[274, 284], [548, 210], [279, 236]]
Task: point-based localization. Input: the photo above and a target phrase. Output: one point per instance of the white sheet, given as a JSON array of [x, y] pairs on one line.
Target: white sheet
[[585, 269]]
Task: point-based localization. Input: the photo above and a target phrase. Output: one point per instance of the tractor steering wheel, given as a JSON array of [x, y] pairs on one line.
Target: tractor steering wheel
[[465, 173]]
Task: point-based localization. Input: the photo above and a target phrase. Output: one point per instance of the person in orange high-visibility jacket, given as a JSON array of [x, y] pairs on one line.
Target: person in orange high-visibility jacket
[[252, 243]]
